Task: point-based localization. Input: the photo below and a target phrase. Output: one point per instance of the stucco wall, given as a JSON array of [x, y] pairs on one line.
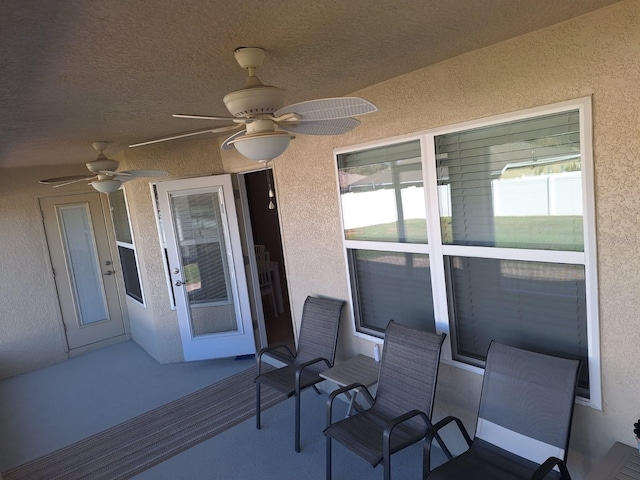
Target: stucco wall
[[31, 333], [597, 55]]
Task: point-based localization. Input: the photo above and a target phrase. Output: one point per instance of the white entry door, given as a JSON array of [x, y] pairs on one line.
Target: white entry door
[[76, 230], [206, 265]]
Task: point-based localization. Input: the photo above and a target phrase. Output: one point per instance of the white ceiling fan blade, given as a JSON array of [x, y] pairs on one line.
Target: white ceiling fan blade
[[336, 126], [75, 181], [66, 180], [329, 108], [209, 117], [187, 134], [130, 174], [226, 145]]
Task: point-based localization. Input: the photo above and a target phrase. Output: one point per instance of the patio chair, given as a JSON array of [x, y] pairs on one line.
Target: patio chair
[[524, 420], [264, 276], [315, 353], [400, 414]]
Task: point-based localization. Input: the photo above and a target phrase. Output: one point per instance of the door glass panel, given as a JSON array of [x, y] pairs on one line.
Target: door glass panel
[[82, 260], [202, 247]]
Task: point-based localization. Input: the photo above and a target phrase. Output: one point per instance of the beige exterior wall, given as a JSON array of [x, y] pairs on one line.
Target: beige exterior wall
[[596, 55], [31, 326], [31, 329]]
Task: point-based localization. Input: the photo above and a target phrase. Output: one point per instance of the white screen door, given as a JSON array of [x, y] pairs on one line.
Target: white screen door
[[206, 265]]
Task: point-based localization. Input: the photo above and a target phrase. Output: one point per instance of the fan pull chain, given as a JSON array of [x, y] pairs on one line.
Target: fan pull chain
[[272, 205]]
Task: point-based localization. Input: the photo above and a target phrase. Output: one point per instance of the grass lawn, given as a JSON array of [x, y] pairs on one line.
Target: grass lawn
[[544, 232]]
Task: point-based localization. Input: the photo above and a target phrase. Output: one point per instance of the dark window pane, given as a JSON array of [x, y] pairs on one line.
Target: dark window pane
[[391, 286], [130, 273], [531, 305]]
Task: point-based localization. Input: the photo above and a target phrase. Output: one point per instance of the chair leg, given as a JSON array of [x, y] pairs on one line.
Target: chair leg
[[386, 458], [328, 458], [258, 405], [297, 421], [387, 467]]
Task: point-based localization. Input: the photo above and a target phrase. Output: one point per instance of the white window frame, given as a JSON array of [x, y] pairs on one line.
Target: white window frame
[[130, 246], [437, 250]]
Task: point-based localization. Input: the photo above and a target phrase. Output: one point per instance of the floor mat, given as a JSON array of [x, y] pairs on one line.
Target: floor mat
[[148, 439]]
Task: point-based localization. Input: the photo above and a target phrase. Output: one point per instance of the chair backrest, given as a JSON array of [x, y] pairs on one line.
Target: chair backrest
[[259, 249], [318, 330], [264, 275], [527, 402], [408, 370]]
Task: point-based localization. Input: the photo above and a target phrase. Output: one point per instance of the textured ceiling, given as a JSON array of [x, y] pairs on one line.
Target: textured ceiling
[[76, 71]]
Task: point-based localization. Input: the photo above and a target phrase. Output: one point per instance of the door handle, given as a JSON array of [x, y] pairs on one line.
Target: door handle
[[178, 283], [109, 272]]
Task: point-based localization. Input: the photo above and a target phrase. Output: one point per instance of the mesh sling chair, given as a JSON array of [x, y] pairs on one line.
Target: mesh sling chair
[[524, 420], [315, 353], [400, 414]]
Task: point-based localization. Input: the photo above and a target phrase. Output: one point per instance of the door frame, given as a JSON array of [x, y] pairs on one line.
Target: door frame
[[250, 257], [253, 281]]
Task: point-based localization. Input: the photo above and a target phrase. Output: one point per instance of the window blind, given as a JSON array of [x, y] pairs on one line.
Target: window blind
[[514, 185], [376, 156], [392, 286], [532, 305], [203, 253]]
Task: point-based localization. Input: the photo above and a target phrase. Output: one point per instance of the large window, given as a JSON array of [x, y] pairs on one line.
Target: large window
[[126, 247], [484, 231], [384, 218]]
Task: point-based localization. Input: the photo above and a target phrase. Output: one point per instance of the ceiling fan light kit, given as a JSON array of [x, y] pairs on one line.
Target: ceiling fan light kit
[[106, 185], [262, 147], [267, 122]]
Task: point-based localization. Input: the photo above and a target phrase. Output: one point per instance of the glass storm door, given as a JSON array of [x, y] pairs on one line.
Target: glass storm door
[[206, 267], [85, 276]]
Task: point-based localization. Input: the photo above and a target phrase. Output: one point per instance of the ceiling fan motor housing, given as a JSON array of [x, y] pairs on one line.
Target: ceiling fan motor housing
[[102, 163], [259, 100]]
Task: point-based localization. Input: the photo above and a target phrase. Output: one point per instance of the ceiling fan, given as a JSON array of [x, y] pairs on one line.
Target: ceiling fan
[[267, 125], [104, 177]]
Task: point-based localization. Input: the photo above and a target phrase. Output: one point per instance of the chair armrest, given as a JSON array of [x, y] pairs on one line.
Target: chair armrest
[[433, 433], [393, 423], [304, 365], [542, 471], [354, 386], [269, 349]]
